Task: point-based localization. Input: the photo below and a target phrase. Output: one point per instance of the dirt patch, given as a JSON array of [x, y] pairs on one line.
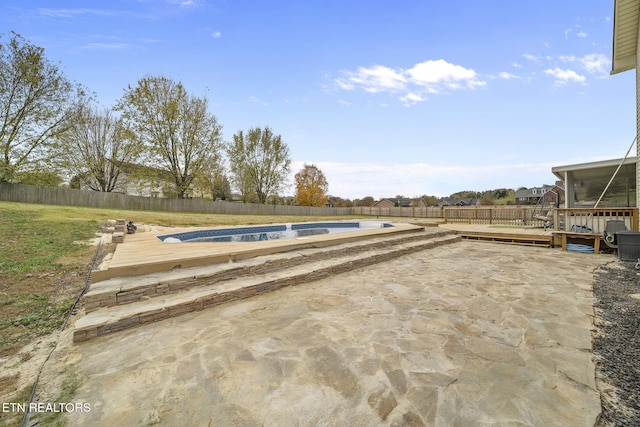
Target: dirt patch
[[32, 308], [9, 383]]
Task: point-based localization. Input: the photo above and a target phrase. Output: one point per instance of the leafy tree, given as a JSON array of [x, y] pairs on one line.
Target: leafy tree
[[35, 101], [213, 180], [178, 131], [95, 148], [260, 163], [465, 194], [311, 186], [501, 193], [487, 201], [340, 202], [430, 200], [367, 201], [45, 179]]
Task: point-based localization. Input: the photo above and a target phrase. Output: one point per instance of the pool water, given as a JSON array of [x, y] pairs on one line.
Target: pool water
[[270, 232]]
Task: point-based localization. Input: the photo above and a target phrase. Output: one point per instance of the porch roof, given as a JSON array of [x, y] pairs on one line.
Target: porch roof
[[591, 170], [625, 35]]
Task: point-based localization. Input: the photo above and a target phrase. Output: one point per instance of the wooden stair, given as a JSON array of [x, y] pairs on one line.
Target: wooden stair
[[512, 238]]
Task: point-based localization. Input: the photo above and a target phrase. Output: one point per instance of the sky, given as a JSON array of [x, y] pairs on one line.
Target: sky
[[386, 98]]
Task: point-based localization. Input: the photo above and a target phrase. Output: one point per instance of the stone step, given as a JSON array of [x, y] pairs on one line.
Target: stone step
[[119, 317], [125, 290]]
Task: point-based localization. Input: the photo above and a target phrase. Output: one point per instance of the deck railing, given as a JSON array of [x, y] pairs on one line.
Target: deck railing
[[589, 220], [494, 215]]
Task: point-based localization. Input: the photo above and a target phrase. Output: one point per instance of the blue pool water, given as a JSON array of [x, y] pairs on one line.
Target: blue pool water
[[269, 232]]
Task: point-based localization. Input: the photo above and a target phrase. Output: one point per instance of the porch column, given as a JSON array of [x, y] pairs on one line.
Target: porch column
[[569, 190]]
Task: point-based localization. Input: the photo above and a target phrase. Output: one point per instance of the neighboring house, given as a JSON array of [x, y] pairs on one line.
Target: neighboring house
[[467, 201], [400, 203], [139, 180], [550, 194]]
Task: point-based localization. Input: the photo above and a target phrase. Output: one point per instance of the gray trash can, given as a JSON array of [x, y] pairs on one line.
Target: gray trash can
[[628, 245]]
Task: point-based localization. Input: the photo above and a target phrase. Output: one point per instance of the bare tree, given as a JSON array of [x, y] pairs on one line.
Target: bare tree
[[95, 148], [260, 163], [177, 128], [35, 105]]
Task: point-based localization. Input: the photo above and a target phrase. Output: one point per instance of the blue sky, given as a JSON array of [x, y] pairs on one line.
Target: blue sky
[[386, 97]]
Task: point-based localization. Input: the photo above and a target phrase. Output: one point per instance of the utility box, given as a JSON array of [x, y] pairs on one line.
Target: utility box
[[628, 245]]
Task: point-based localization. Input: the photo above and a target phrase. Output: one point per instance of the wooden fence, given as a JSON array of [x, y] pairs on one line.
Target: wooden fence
[[68, 197], [590, 220], [417, 212], [496, 215]]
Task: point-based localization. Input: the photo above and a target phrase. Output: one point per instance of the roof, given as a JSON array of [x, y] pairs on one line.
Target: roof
[[584, 171], [537, 192], [625, 35]]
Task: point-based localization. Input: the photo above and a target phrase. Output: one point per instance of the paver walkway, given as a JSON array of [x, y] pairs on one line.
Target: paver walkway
[[472, 333]]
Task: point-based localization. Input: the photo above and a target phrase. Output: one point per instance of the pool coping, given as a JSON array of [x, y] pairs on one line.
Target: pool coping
[[144, 253]]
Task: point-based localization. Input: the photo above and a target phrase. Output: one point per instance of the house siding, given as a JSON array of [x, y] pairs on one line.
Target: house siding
[[638, 122]]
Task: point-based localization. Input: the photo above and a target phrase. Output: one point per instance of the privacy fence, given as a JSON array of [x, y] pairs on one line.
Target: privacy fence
[[68, 197], [497, 215]]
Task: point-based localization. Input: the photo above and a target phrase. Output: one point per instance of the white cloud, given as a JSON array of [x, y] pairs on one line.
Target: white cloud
[[70, 13], [184, 3], [594, 63], [255, 100], [412, 98], [435, 75], [108, 46], [216, 34], [562, 77], [582, 34], [375, 79], [505, 76], [411, 84]]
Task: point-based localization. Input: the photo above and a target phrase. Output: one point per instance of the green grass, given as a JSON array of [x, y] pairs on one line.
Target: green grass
[[31, 240], [39, 316], [75, 215]]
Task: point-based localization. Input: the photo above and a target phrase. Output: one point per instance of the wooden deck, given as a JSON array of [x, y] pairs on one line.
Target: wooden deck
[[513, 235]]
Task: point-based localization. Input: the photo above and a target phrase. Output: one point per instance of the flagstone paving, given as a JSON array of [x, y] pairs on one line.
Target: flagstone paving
[[471, 333]]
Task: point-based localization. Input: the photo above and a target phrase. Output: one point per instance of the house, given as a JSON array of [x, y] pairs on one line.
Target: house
[[136, 180], [626, 34], [549, 194], [139, 180], [467, 201], [393, 203], [585, 182]]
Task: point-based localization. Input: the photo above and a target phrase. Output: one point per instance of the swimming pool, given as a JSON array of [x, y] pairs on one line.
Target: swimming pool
[[270, 232]]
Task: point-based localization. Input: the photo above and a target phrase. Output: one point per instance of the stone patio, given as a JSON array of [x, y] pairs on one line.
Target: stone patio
[[470, 333]]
